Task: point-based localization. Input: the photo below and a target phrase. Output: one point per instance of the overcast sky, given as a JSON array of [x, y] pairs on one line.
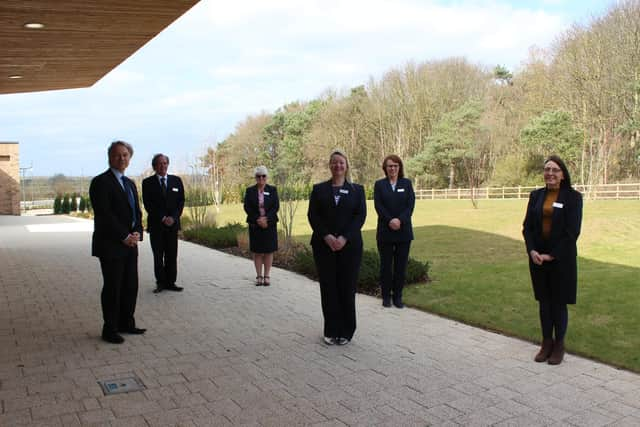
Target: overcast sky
[[221, 61]]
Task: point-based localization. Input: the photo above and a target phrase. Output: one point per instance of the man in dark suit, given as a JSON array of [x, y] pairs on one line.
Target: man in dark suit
[[116, 232], [163, 197]]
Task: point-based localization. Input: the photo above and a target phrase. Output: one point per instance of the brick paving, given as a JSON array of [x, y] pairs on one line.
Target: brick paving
[[226, 353]]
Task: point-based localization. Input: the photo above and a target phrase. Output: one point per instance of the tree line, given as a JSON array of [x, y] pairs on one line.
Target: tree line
[[460, 124]]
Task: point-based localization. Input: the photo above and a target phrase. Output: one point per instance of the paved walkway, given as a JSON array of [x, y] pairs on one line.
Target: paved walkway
[[224, 352]]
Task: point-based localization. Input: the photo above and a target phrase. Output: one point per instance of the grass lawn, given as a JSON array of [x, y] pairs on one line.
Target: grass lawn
[[480, 276]]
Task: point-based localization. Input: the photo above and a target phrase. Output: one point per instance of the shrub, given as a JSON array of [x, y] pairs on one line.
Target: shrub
[[368, 280], [74, 203], [57, 205], [83, 204], [215, 237], [66, 206]]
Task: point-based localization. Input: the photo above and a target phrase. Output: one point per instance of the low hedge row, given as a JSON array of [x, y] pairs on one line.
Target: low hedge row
[[368, 279], [301, 259], [215, 237]]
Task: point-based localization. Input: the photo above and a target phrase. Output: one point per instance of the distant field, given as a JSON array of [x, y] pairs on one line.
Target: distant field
[[480, 276]]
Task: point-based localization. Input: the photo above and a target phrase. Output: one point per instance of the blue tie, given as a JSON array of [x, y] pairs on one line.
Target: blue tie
[[132, 200]]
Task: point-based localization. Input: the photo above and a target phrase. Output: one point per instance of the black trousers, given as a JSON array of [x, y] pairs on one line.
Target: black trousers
[[394, 257], [164, 244], [554, 317], [338, 273], [119, 291]]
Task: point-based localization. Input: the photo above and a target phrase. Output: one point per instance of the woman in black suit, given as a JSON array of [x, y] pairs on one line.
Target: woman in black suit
[[337, 210], [261, 204], [551, 228], [394, 201]]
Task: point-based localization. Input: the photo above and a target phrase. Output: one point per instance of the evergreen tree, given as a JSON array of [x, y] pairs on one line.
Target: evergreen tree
[[65, 204]]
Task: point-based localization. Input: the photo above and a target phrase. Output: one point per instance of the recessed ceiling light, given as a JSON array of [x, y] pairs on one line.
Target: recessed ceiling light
[[15, 76], [34, 25]]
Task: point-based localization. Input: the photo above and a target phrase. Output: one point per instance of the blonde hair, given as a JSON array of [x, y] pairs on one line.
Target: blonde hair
[[346, 160]]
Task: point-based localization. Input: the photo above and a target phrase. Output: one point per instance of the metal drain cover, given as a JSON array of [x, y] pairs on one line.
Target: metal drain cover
[[121, 385]]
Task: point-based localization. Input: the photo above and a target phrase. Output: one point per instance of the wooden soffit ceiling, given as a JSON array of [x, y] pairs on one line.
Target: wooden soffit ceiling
[[81, 41]]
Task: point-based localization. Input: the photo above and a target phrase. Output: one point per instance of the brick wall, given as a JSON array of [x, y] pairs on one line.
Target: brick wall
[[9, 178]]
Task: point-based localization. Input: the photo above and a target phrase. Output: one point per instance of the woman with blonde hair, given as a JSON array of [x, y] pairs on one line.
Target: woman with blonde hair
[[337, 211]]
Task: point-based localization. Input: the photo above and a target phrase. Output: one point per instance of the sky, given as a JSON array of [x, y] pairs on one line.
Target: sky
[[190, 86]]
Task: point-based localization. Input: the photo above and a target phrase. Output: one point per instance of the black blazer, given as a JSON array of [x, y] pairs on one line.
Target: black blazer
[[112, 216], [391, 204], [158, 206], [271, 204], [346, 219], [565, 229]]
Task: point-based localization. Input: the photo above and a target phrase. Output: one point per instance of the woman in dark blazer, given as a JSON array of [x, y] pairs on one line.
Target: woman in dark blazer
[[337, 210], [551, 228], [394, 201], [261, 204]]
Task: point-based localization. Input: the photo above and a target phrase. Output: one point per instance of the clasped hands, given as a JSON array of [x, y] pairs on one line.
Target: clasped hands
[[262, 222], [168, 221], [395, 224], [132, 240], [335, 243], [539, 258]]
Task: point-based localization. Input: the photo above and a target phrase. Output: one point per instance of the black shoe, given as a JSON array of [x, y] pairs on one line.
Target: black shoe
[[342, 341], [158, 290], [386, 302], [398, 303], [133, 331], [174, 288], [112, 337]]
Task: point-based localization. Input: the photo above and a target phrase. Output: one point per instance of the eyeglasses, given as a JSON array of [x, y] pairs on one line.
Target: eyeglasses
[[392, 166], [551, 170], [261, 176]]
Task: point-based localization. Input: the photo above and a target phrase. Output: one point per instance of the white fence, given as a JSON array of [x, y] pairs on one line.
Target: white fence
[[598, 192]]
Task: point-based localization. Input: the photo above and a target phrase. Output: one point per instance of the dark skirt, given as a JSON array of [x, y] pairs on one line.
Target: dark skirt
[[263, 240]]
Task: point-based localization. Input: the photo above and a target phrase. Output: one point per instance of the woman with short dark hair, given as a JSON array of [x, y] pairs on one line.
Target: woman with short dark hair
[[394, 200], [551, 229]]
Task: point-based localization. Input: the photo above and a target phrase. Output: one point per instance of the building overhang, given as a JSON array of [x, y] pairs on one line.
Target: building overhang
[[79, 42]]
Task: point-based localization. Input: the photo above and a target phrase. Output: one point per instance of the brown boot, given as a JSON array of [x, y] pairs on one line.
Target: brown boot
[[545, 350], [557, 354]]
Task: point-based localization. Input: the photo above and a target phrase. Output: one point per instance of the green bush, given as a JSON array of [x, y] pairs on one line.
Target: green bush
[[83, 204], [66, 206], [57, 205], [368, 280], [215, 237], [74, 203]]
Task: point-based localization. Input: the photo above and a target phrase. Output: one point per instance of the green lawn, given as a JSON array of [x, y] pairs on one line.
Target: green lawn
[[479, 271]]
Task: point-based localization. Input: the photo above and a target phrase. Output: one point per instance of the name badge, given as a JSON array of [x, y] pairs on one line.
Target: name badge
[[343, 191], [557, 205], [400, 190], [266, 193], [175, 189]]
